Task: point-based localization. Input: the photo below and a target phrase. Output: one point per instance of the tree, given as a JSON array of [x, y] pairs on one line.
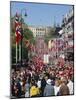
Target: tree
[[27, 35], [50, 35]]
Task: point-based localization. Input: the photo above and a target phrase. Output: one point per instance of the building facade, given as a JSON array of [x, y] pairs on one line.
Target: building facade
[[68, 32], [39, 30], [68, 26]]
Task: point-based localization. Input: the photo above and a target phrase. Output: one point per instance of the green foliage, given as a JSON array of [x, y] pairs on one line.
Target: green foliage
[[50, 35], [13, 54], [27, 34], [32, 41], [22, 21], [46, 39]]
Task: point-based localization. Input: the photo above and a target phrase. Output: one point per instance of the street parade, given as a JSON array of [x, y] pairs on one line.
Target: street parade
[[42, 64]]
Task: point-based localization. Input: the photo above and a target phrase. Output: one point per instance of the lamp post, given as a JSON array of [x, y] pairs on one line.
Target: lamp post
[[20, 46]]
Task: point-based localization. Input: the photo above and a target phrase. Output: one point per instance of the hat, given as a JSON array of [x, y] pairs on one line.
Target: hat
[[48, 81]]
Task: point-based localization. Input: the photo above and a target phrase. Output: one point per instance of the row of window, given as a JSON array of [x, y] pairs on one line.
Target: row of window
[[38, 30], [39, 34]]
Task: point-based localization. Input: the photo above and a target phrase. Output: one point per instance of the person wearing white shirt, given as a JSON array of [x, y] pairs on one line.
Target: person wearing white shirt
[[39, 83], [70, 86], [56, 87]]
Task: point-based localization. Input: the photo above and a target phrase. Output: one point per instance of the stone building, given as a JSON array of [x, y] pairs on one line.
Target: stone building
[[68, 33], [39, 30]]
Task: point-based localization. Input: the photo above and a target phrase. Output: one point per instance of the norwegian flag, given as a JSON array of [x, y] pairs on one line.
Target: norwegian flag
[[17, 28], [27, 43]]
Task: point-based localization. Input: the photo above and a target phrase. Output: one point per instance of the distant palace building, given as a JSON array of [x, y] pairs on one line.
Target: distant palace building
[[39, 30]]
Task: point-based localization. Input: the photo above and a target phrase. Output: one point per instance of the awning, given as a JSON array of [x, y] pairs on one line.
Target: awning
[[60, 32]]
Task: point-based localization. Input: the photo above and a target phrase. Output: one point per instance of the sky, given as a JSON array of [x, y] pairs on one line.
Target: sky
[[40, 13]]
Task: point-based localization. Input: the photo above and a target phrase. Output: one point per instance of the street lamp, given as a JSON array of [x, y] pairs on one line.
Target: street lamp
[[20, 54], [24, 15]]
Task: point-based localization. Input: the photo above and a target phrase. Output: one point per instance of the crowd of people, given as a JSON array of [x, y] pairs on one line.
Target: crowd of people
[[39, 80]]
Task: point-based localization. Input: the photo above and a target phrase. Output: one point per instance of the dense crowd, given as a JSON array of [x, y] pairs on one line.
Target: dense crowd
[[38, 79]]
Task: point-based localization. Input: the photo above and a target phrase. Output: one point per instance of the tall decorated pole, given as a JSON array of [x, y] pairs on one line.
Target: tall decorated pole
[[16, 54], [20, 45], [21, 39], [17, 34]]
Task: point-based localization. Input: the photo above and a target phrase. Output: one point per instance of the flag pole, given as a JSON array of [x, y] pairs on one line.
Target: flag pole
[[20, 45], [19, 52], [16, 54], [17, 26]]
